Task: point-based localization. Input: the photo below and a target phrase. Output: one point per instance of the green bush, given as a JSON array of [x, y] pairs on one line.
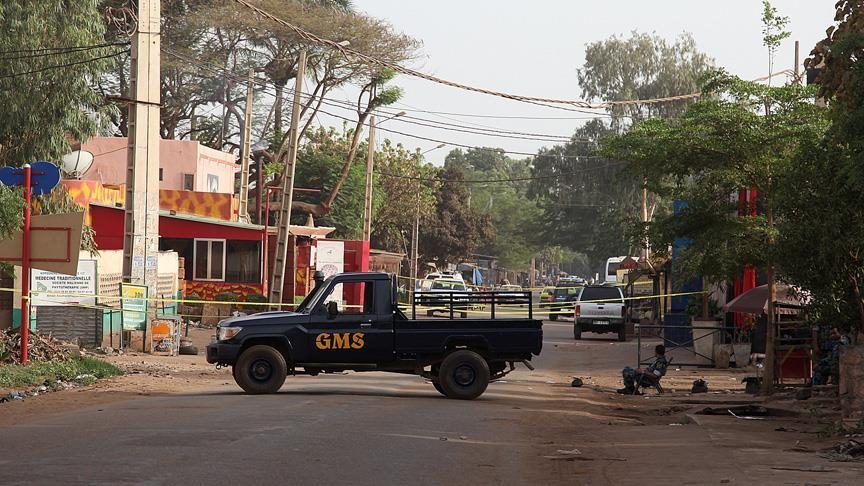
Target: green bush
[[255, 299], [49, 372], [226, 297]]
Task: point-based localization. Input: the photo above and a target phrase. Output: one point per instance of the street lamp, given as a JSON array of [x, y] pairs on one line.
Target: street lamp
[[415, 233], [440, 145], [370, 165]]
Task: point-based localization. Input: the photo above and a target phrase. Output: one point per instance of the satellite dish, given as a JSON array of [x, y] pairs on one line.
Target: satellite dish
[[75, 164]]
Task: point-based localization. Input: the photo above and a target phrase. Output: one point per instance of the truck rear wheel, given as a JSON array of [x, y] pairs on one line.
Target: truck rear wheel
[[577, 331], [553, 317], [622, 333], [260, 369], [464, 375]]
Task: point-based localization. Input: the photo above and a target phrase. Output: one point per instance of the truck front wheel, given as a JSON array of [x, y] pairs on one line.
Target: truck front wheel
[[260, 369], [464, 375]]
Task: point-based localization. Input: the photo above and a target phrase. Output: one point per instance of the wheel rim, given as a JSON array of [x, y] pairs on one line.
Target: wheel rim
[[261, 370], [464, 375]]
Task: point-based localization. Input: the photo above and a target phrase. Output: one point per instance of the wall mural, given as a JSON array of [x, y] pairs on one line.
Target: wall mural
[[210, 205]]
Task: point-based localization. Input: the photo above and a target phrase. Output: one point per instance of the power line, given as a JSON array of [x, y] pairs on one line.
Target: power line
[[60, 66], [242, 80], [303, 34], [50, 51], [513, 179]]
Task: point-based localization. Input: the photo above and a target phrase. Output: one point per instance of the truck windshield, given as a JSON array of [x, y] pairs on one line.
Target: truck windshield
[[312, 299], [444, 285], [600, 293]]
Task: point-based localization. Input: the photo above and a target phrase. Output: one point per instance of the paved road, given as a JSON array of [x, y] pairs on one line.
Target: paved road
[[374, 428], [357, 428]]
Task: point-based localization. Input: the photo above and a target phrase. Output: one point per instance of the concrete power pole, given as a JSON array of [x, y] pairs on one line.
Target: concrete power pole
[[278, 281], [141, 236], [370, 165], [245, 153]]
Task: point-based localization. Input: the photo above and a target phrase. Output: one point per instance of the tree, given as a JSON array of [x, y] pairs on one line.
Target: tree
[[720, 144], [643, 66], [455, 231], [837, 60], [405, 190], [47, 64], [583, 196]]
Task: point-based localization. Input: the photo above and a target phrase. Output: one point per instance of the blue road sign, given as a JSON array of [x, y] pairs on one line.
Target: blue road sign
[[43, 177]]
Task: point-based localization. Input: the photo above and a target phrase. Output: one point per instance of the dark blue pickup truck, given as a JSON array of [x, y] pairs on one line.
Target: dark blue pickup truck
[[325, 335]]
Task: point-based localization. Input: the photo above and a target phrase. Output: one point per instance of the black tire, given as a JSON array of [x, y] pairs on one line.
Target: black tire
[[577, 331], [438, 387], [553, 317], [260, 369], [429, 313], [622, 333], [464, 315], [188, 350], [464, 375]]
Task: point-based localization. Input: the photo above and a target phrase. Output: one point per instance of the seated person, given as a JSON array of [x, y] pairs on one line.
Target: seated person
[[827, 370], [650, 376]]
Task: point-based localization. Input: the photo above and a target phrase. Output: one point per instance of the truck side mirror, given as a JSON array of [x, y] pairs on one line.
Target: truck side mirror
[[332, 309]]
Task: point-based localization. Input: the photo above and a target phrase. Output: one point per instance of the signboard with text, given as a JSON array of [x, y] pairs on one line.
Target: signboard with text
[[57, 289], [133, 299]]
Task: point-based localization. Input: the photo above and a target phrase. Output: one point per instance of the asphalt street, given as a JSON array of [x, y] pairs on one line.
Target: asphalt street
[[356, 428]]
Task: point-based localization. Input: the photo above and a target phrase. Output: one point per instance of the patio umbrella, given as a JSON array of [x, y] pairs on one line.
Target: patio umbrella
[[755, 300]]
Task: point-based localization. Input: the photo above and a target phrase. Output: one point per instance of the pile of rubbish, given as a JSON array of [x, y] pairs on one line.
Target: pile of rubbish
[[851, 450], [39, 347]]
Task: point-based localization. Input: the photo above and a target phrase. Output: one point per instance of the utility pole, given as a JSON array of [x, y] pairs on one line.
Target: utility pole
[[415, 236], [370, 165], [243, 208], [277, 283], [141, 235]]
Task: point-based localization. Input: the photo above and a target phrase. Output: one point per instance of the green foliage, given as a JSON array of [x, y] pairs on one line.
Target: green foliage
[[455, 231], [583, 197], [773, 26], [319, 164], [255, 299], [642, 66], [47, 95], [226, 297], [12, 376], [721, 144]]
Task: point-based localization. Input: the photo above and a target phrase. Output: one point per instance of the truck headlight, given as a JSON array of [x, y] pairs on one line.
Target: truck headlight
[[227, 333]]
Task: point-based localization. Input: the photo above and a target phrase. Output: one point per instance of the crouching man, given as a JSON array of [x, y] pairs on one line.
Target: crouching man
[[650, 376]]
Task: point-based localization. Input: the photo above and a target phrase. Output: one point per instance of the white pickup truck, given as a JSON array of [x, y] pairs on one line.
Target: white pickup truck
[[600, 309]]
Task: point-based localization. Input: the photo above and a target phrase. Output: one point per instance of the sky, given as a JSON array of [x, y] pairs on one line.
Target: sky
[[535, 48]]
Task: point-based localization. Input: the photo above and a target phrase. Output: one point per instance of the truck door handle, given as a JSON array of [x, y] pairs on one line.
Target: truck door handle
[[365, 324]]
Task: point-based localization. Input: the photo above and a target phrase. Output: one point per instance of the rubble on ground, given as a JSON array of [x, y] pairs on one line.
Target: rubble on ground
[[40, 347]]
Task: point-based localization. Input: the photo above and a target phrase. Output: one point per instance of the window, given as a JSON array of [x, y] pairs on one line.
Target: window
[[243, 261], [353, 297], [212, 183], [209, 259], [601, 293], [188, 182]]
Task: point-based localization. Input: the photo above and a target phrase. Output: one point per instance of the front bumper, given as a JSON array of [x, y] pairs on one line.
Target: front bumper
[[222, 353]]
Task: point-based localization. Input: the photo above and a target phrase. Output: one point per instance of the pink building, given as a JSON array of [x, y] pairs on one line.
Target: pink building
[[184, 165]]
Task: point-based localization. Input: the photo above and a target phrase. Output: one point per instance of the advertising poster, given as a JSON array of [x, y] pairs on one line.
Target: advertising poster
[[330, 260], [133, 300], [55, 289]]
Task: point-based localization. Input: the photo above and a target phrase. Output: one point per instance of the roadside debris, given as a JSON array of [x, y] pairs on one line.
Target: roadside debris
[[699, 386], [851, 450], [577, 382], [40, 347]]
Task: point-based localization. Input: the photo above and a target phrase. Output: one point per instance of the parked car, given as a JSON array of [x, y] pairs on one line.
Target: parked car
[[547, 295], [439, 294], [600, 309], [565, 293], [509, 294]]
